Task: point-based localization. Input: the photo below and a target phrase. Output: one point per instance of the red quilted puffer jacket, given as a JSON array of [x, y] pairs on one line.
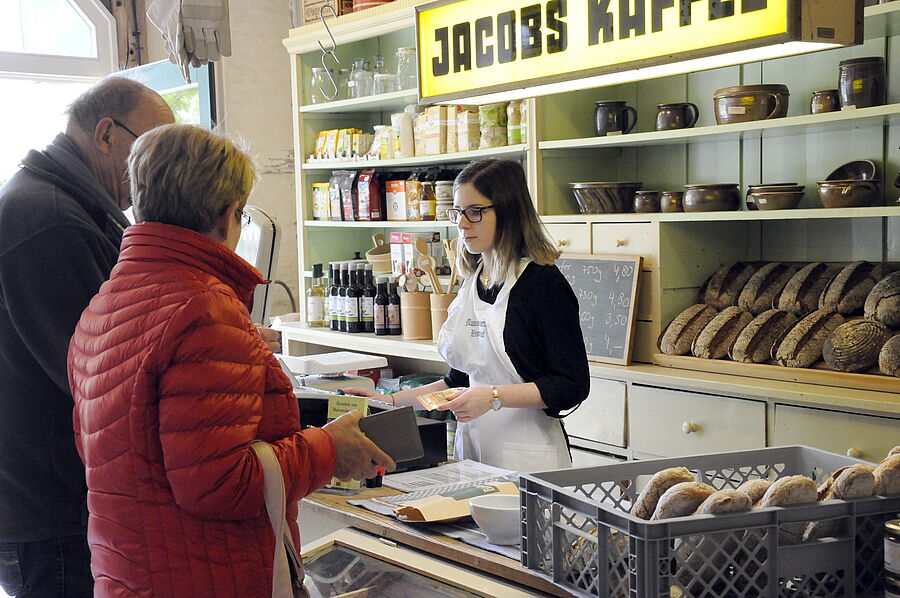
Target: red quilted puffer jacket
[[171, 384]]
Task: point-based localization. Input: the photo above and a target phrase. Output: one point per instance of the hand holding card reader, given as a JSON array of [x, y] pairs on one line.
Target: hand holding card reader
[[395, 432]]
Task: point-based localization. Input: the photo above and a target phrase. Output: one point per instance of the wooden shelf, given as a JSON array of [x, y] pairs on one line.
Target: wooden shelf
[[731, 216], [776, 127], [881, 20], [365, 342], [508, 150], [379, 224], [385, 102]]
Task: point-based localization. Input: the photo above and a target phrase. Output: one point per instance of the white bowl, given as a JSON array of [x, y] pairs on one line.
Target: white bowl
[[498, 515]]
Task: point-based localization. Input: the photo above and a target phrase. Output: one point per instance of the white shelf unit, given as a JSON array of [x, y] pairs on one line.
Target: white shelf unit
[[454, 158]]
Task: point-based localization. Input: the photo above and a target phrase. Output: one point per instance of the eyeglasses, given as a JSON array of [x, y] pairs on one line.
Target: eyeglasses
[[118, 124], [245, 219], [473, 214]]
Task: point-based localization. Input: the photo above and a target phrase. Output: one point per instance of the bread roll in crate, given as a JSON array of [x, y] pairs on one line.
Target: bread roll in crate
[[581, 535]]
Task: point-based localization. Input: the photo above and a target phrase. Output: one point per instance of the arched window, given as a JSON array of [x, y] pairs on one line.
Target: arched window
[[67, 39]]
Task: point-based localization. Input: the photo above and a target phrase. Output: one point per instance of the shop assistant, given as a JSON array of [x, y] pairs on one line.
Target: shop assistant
[[512, 336]]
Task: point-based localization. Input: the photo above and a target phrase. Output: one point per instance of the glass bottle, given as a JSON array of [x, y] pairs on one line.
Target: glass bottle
[[406, 68], [354, 292], [342, 296], [360, 79], [333, 292], [393, 310], [315, 300], [343, 84], [379, 65], [319, 85], [381, 307], [367, 301], [329, 286]]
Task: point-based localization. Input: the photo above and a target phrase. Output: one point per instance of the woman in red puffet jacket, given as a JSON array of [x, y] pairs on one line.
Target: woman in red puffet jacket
[[172, 382]]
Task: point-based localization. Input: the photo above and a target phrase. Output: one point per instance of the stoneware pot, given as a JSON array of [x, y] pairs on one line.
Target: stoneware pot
[[605, 197], [613, 117], [673, 201], [851, 193], [861, 82], [680, 115], [714, 197], [744, 103], [646, 202], [825, 100], [752, 190], [864, 170], [777, 200]]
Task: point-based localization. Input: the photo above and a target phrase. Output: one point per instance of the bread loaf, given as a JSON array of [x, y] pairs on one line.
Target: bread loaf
[[802, 345], [889, 358], [785, 492], [646, 501], [854, 346], [681, 332], [724, 501], [754, 343], [893, 451], [887, 477], [722, 289], [846, 293], [883, 302], [755, 489], [852, 481], [762, 290], [681, 500], [717, 338], [801, 294]]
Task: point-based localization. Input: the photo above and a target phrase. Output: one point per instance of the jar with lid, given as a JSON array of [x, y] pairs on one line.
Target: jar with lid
[[428, 201], [384, 83], [443, 193], [406, 68], [862, 82], [360, 79], [379, 65], [319, 85]]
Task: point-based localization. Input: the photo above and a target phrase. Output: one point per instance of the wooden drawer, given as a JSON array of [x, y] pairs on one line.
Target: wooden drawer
[[866, 437], [571, 238], [670, 423], [601, 417], [625, 239]]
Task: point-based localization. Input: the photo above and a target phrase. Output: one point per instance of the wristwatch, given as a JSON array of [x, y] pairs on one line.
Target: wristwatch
[[496, 402]]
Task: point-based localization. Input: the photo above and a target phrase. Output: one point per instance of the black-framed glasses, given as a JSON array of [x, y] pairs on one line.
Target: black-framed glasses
[[473, 214], [119, 124]]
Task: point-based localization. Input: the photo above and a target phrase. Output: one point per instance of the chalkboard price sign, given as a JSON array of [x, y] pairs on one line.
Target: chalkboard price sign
[[607, 290]]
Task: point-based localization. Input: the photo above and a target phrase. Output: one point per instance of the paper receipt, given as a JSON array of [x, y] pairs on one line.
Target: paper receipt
[[431, 400]]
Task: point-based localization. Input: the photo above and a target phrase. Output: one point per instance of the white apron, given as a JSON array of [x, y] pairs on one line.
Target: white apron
[[471, 341]]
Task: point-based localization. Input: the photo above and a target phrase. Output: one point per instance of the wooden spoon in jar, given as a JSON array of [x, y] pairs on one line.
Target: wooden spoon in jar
[[426, 263]]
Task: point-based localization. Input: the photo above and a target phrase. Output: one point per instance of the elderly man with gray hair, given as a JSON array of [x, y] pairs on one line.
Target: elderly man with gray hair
[[61, 223], [173, 384]]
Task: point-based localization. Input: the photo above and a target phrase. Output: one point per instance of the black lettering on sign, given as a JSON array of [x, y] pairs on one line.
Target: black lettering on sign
[[656, 8], [686, 12], [484, 55], [556, 42], [441, 65], [599, 19], [532, 44], [506, 37], [719, 9], [462, 41], [753, 5], [631, 22]]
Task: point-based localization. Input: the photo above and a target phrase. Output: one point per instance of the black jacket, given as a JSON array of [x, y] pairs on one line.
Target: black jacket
[[59, 239]]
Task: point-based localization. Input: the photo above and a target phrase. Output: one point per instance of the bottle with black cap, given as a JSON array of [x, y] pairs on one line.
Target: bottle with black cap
[[354, 293], [393, 311], [367, 301], [381, 307]]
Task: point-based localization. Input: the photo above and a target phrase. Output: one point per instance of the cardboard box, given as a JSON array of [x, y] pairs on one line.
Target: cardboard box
[[468, 129], [409, 246], [309, 9], [395, 199], [435, 130], [398, 263]]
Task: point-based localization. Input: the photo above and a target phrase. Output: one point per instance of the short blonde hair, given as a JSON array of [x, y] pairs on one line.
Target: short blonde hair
[[187, 176]]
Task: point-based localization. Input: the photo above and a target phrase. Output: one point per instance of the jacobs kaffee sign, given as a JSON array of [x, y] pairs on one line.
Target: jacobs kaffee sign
[[483, 46]]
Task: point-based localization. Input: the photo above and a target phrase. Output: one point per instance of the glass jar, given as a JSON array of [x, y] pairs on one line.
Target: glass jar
[[384, 83], [319, 85], [406, 68], [343, 84], [360, 79]]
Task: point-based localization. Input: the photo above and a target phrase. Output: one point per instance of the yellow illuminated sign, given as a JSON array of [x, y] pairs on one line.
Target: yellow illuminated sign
[[473, 45]]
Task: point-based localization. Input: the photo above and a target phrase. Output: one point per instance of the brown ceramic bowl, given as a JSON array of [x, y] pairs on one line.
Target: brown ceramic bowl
[[858, 169], [605, 198], [714, 197], [744, 103], [850, 193], [646, 202], [673, 201], [770, 188], [777, 200]]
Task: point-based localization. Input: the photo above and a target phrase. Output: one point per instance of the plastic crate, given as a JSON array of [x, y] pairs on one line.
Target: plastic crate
[[577, 533]]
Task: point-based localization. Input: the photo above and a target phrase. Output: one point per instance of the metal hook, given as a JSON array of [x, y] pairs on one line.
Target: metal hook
[[328, 52]]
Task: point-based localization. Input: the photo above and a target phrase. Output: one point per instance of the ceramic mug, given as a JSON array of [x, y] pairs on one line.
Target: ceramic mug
[[826, 100], [614, 117], [679, 115]]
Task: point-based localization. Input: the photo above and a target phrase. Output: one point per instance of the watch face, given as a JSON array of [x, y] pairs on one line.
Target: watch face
[[496, 404]]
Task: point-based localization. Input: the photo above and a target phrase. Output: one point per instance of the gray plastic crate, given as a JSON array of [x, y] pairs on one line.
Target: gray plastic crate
[[576, 532]]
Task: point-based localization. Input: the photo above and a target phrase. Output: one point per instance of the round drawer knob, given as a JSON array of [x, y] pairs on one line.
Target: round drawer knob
[[563, 242], [688, 427], [854, 453], [621, 242]]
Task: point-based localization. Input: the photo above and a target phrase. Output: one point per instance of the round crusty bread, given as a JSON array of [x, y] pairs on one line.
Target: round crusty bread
[[681, 500], [887, 476], [790, 490], [645, 503], [802, 345], [755, 342], [762, 290], [717, 338], [852, 481], [722, 289], [725, 501], [846, 293], [883, 301], [889, 358], [755, 489], [681, 332], [801, 294], [854, 346]]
